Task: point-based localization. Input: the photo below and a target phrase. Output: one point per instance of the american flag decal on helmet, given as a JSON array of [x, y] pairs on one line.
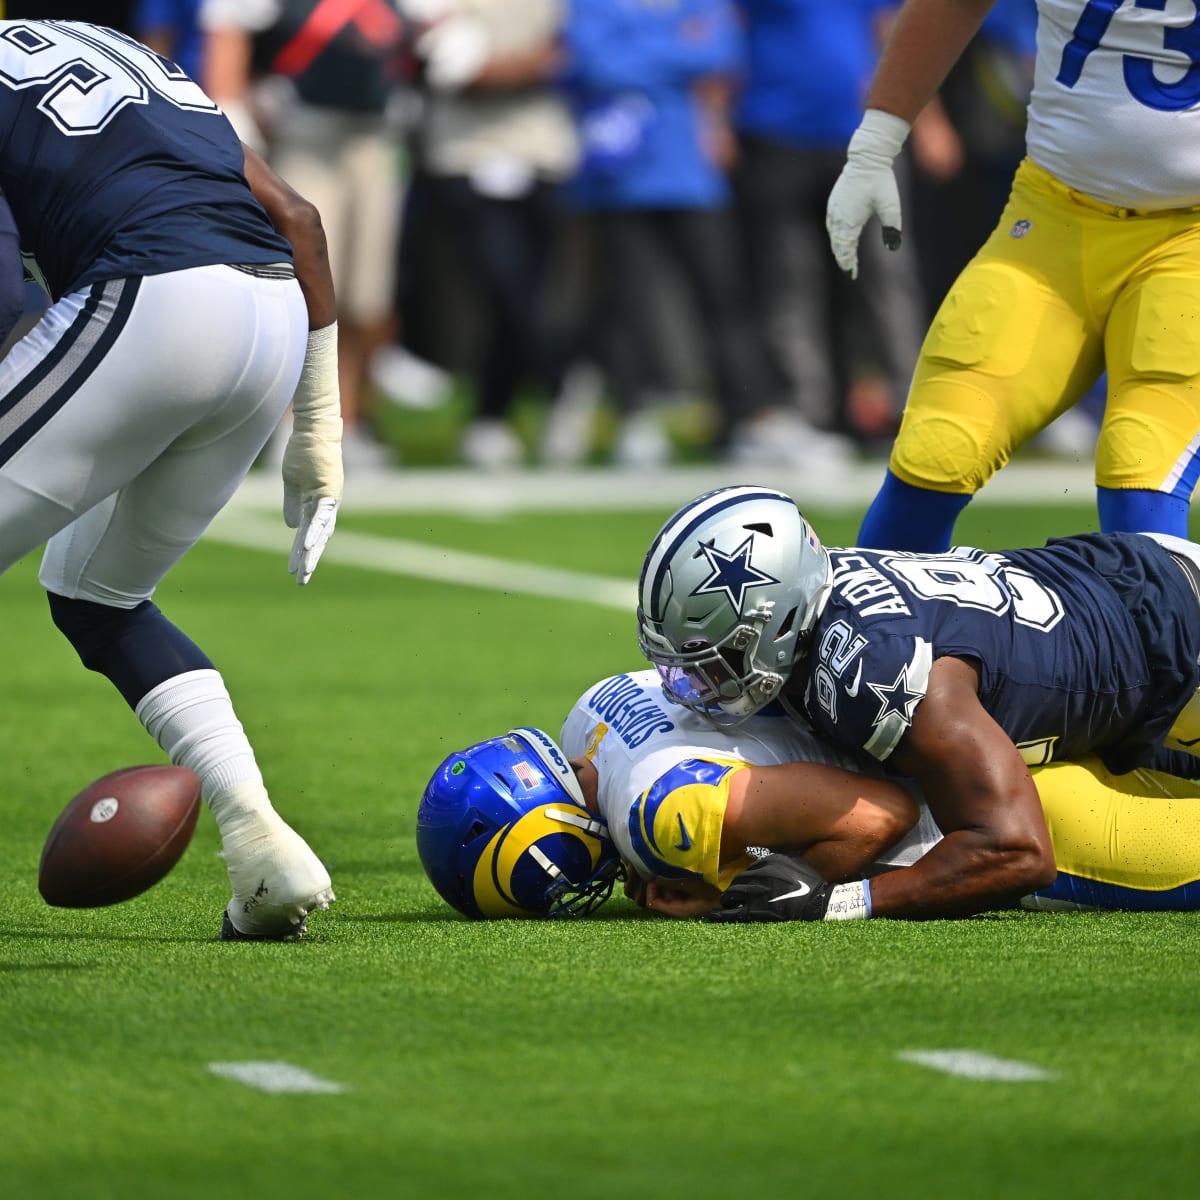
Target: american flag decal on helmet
[[527, 774]]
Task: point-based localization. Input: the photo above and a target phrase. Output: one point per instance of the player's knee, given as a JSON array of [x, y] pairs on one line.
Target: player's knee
[[136, 648], [947, 441], [91, 628]]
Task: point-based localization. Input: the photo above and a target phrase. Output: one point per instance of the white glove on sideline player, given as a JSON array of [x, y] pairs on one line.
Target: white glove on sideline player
[[866, 187], [312, 459]]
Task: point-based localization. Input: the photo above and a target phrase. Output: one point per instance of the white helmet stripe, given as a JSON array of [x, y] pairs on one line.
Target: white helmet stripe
[[550, 754], [676, 534]]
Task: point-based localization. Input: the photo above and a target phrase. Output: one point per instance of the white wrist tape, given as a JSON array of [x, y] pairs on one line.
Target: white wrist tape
[[849, 902], [879, 137], [316, 406]]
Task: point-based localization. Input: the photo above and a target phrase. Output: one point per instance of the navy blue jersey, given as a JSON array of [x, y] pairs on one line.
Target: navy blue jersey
[[1088, 644], [115, 163]]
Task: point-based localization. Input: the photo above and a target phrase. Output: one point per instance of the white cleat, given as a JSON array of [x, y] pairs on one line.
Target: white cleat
[[276, 879]]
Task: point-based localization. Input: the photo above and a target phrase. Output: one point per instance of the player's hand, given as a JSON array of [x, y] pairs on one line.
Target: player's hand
[[681, 898], [775, 888], [866, 188], [312, 459]]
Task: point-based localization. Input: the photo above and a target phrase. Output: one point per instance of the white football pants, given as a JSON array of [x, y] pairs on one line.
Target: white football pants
[[129, 416]]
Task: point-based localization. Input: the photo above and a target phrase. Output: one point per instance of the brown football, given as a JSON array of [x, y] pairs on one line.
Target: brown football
[[119, 836]]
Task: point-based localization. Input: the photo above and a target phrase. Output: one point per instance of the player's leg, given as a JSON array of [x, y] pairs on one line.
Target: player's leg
[[1148, 457], [1015, 343], [183, 402], [1120, 841]]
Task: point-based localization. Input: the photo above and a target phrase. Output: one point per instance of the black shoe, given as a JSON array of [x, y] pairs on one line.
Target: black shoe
[[231, 933]]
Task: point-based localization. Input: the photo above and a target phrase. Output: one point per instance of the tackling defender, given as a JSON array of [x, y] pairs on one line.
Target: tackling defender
[[680, 802], [959, 670], [191, 300], [1094, 265]]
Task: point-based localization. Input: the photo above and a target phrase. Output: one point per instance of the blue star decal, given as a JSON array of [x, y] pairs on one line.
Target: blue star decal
[[732, 573], [897, 700]]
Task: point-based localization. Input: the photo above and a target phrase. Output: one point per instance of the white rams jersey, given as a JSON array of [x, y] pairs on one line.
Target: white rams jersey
[[663, 768], [1115, 110]]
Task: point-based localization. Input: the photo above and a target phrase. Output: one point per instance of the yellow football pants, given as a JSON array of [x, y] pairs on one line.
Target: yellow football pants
[[1064, 288]]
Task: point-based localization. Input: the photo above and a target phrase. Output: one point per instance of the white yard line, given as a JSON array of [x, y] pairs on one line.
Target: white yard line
[[393, 556], [972, 1064], [252, 519], [279, 1078]]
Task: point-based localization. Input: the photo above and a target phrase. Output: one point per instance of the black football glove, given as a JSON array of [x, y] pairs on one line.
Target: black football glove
[[775, 888]]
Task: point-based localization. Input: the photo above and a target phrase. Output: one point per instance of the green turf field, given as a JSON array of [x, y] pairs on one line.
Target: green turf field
[[621, 1056]]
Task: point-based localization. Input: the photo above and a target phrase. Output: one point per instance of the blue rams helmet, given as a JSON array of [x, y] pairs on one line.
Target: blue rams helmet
[[502, 831], [730, 590]]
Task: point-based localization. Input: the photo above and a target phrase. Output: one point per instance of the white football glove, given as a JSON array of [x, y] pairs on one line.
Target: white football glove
[[866, 187], [312, 459]]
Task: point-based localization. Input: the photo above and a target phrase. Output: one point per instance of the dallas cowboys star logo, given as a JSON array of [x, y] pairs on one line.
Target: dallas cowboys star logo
[[897, 700], [732, 573]]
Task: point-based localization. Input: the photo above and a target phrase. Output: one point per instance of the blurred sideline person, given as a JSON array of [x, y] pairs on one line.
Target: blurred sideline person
[[191, 300], [959, 670], [687, 807], [171, 28], [312, 87], [651, 83], [846, 353], [495, 143], [1094, 265]]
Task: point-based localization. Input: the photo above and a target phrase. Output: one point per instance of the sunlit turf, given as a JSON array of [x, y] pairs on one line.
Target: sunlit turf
[[617, 1056]]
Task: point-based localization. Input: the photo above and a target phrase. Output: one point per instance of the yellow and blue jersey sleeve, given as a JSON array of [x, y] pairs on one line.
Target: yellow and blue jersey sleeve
[[675, 825]]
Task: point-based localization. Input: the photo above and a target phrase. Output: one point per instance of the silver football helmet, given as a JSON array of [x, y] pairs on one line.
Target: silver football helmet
[[729, 593]]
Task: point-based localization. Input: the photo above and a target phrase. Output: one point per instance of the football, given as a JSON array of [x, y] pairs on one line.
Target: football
[[119, 836]]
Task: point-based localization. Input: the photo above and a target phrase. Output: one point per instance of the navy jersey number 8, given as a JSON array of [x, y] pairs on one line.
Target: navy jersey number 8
[[1143, 84], [89, 74]]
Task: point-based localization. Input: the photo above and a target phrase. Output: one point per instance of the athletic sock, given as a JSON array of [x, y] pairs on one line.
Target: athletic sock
[[903, 517], [191, 717]]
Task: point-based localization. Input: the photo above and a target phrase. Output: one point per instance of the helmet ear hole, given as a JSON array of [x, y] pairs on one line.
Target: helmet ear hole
[[786, 625]]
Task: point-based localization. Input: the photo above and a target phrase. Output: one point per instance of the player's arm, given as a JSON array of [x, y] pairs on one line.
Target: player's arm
[[925, 41], [839, 820], [996, 846], [12, 274], [296, 219], [312, 460]]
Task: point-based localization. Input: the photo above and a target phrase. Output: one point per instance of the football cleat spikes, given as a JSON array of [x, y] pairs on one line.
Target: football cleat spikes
[[502, 831], [730, 590]]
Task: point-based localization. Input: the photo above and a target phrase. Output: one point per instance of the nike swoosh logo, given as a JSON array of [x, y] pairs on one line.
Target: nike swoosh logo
[[685, 842], [852, 688], [802, 889], [1188, 742]]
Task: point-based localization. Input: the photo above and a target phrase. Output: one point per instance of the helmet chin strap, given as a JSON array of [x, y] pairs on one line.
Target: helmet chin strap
[[579, 820]]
